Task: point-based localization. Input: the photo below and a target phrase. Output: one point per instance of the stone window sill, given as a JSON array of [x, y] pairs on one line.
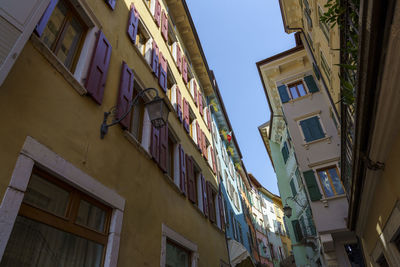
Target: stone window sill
[[327, 139], [137, 144]]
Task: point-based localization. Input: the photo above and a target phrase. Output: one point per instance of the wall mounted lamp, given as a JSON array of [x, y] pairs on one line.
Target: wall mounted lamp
[[287, 210], [157, 109]]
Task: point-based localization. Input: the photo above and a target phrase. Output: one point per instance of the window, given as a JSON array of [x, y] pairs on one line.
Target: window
[[297, 90], [330, 181], [143, 42], [312, 129], [285, 152], [293, 187], [325, 67], [170, 83], [172, 150], [57, 225], [64, 34], [176, 255], [137, 114], [192, 124]]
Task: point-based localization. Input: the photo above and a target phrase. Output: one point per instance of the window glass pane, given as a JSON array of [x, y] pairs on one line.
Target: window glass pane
[[45, 195], [176, 256], [54, 25], [36, 244], [336, 181], [91, 216], [301, 89], [326, 184], [70, 42], [293, 91]]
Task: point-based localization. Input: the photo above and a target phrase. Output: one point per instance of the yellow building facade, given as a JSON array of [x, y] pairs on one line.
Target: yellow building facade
[[141, 196]]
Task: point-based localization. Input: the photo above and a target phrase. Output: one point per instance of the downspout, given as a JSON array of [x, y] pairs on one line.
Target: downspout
[[319, 71]]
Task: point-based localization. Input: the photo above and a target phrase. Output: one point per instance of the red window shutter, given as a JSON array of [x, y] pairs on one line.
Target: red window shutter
[[179, 103], [221, 212], [45, 17], [200, 104], [186, 115], [164, 26], [154, 59], [97, 74], [184, 70], [133, 24], [211, 207], [179, 58], [213, 160], [204, 195], [155, 144], [111, 3], [125, 95], [205, 154], [162, 77], [182, 169], [208, 119], [191, 185], [163, 149], [195, 92], [198, 132], [157, 13]]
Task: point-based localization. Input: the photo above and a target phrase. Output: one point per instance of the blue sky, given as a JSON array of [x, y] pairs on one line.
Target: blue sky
[[235, 35]]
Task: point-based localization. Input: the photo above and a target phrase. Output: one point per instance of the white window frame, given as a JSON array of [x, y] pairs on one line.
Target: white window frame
[[168, 233], [34, 153]]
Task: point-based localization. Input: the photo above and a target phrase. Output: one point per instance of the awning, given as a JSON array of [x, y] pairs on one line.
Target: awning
[[239, 254]]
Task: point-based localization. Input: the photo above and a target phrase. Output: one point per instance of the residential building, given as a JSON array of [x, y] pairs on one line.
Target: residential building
[[143, 194], [295, 94]]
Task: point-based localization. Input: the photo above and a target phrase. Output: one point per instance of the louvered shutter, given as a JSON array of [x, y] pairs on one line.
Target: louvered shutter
[[164, 26], [221, 212], [155, 144], [125, 95], [213, 160], [205, 147], [182, 170], [162, 77], [283, 93], [179, 103], [111, 3], [297, 230], [312, 86], [45, 18], [292, 186], [208, 119], [184, 70], [211, 207], [311, 222], [133, 24], [312, 185], [163, 149], [198, 135], [154, 59], [178, 58], [316, 128], [157, 13], [306, 130], [186, 115], [191, 186], [204, 195], [97, 74], [201, 104], [195, 92]]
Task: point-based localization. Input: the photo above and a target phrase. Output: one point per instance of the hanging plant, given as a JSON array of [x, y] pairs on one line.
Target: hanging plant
[[214, 105], [223, 134], [230, 150]]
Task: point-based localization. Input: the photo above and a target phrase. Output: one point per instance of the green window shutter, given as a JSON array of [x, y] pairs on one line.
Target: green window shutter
[[312, 185], [285, 152], [312, 86], [297, 230], [283, 93], [306, 130], [316, 128], [294, 192]]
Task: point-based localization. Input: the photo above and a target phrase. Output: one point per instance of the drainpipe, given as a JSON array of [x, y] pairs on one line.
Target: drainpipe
[[319, 71]]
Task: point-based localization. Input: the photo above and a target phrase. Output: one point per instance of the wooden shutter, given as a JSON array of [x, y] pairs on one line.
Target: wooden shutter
[[200, 104], [221, 212], [213, 160], [125, 95], [111, 3], [195, 92], [163, 150], [283, 93], [162, 77], [157, 13], [198, 133], [186, 115], [211, 207], [133, 24], [312, 86], [306, 130], [292, 186], [179, 103], [164, 26], [205, 146], [204, 195], [184, 70], [312, 185], [178, 58], [191, 183], [155, 144], [154, 59], [45, 18], [182, 170], [97, 74], [297, 230], [208, 119], [18, 19], [310, 222], [316, 128]]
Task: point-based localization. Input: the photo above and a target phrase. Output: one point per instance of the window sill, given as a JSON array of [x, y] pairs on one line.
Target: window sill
[[301, 98], [57, 64], [137, 144], [327, 139], [327, 199]]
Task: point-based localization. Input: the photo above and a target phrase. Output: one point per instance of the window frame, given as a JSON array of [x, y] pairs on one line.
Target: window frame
[[330, 180], [295, 84]]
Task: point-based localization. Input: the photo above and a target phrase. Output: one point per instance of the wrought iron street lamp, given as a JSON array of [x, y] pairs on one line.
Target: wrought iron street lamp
[[287, 210], [157, 109]]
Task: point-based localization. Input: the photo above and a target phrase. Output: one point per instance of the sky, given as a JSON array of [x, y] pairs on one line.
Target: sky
[[235, 35]]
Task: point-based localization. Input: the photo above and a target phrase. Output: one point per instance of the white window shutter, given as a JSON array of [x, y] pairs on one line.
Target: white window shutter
[[18, 19]]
